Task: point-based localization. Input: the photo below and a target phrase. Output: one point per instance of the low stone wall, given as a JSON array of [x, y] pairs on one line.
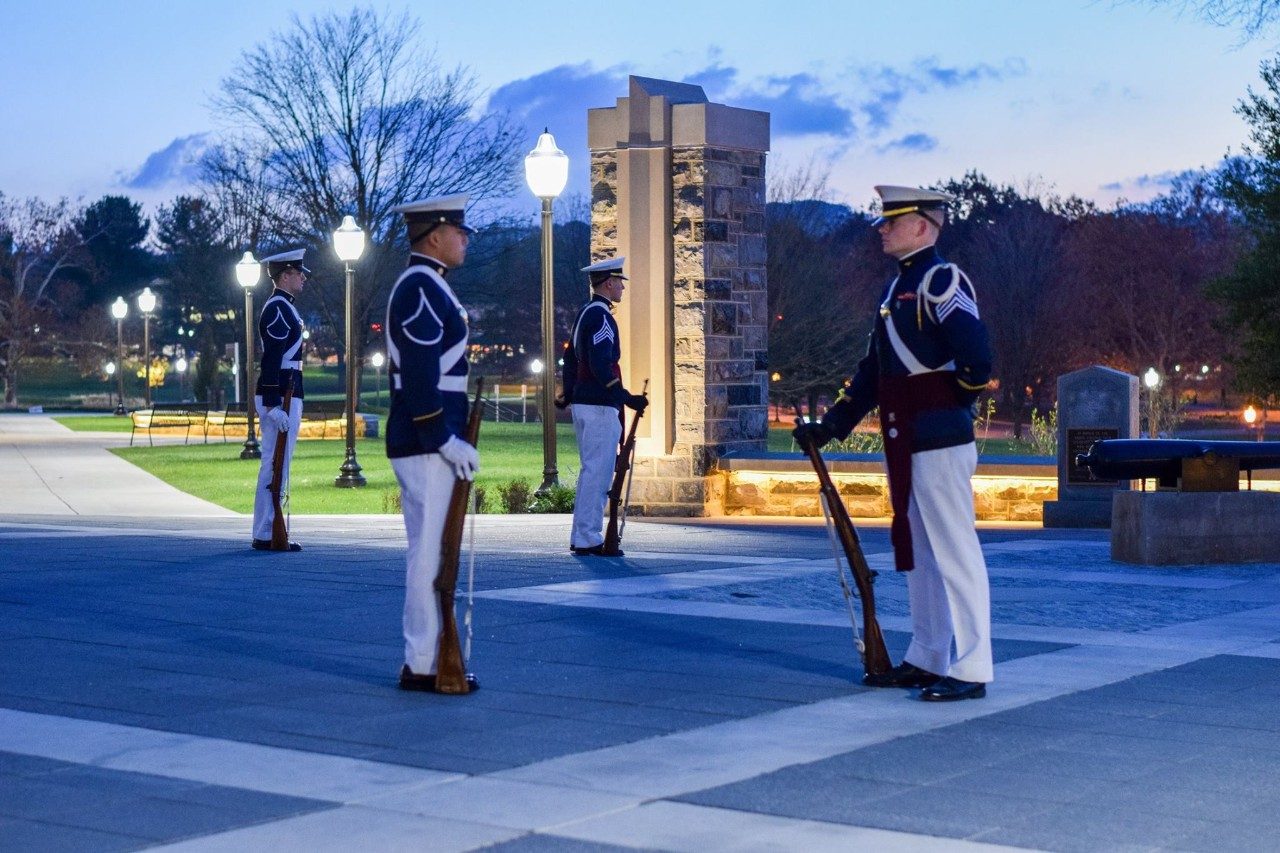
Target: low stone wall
[[1005, 488], [330, 428], [1009, 489]]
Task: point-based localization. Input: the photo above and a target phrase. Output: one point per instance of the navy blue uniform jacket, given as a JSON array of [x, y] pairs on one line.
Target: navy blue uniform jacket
[[280, 329], [941, 329], [597, 348], [426, 360]]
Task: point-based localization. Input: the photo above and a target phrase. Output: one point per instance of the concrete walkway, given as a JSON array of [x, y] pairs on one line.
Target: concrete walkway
[[47, 469], [161, 685]]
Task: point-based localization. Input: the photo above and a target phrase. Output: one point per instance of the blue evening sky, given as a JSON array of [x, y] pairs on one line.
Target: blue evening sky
[[1090, 97]]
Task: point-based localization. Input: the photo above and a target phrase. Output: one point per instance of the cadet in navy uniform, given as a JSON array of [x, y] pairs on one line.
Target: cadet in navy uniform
[[280, 330], [427, 366], [927, 361], [593, 385]]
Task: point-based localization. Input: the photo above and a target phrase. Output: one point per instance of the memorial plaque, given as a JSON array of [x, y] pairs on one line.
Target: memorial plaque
[[1093, 404], [1079, 441]]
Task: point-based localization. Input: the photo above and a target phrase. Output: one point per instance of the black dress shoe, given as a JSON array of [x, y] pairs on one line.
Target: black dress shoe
[[410, 680], [587, 551], [902, 675], [952, 690], [265, 545]]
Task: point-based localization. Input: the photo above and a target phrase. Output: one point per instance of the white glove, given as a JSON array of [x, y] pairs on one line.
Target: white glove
[[462, 456], [277, 419]]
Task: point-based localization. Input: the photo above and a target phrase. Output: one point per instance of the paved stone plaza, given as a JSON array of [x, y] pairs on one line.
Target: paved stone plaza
[[163, 685]]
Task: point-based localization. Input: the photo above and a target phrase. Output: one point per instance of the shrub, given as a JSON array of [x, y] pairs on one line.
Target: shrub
[[515, 496], [1044, 433], [555, 499], [391, 500]]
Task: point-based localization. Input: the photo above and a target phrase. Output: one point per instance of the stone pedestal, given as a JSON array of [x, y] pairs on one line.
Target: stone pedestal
[[678, 188], [1093, 404], [1194, 528]]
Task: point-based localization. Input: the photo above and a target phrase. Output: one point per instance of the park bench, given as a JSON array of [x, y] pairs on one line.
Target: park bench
[[235, 417], [322, 412], [170, 416]]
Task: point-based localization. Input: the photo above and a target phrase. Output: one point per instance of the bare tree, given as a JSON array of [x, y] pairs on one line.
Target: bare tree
[[1143, 278], [39, 246], [1251, 16], [1010, 245], [820, 275], [343, 114]]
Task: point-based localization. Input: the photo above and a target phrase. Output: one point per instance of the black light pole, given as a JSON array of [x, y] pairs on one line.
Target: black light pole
[[147, 304], [248, 273], [120, 309], [546, 170], [348, 244]]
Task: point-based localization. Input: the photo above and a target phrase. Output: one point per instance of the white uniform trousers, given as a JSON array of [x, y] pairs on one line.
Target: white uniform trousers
[[263, 511], [598, 429], [426, 484], [949, 591]]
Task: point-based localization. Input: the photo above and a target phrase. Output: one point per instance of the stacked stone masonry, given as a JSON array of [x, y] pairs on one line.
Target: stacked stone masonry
[[867, 495], [720, 307]]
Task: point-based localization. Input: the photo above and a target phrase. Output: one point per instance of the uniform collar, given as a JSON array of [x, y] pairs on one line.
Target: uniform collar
[[417, 258], [604, 300], [278, 292], [928, 253]]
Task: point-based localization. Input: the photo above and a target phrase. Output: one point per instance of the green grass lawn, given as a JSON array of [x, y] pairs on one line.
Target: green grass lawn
[[216, 473], [96, 423], [508, 451]]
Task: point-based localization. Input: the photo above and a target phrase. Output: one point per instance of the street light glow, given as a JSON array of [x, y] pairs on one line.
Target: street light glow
[[546, 168], [378, 359], [248, 271], [1250, 415], [119, 308], [535, 366], [146, 301], [348, 240], [180, 365], [110, 368], [1151, 379]]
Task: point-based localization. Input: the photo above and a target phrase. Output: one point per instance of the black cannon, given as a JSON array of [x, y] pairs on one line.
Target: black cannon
[[1182, 464]]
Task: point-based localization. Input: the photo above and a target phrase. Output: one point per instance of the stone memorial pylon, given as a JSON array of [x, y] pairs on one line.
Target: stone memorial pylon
[[678, 187], [1094, 404]]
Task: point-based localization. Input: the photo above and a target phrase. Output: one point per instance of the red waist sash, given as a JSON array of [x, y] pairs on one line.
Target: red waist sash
[[901, 398]]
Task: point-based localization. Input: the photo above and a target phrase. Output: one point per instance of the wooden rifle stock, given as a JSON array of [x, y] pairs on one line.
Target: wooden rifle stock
[[626, 453], [875, 657], [451, 673], [280, 530]]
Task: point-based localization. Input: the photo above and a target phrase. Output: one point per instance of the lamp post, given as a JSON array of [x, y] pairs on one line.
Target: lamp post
[[546, 170], [1251, 421], [348, 245], [147, 304], [248, 273], [119, 310], [378, 360], [110, 369], [1152, 380], [181, 366]]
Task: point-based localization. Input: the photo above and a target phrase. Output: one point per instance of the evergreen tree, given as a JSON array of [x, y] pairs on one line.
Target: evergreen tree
[[1249, 294]]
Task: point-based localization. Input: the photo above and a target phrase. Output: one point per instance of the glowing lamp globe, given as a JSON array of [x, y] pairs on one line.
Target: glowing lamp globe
[[348, 240], [546, 168], [248, 271]]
